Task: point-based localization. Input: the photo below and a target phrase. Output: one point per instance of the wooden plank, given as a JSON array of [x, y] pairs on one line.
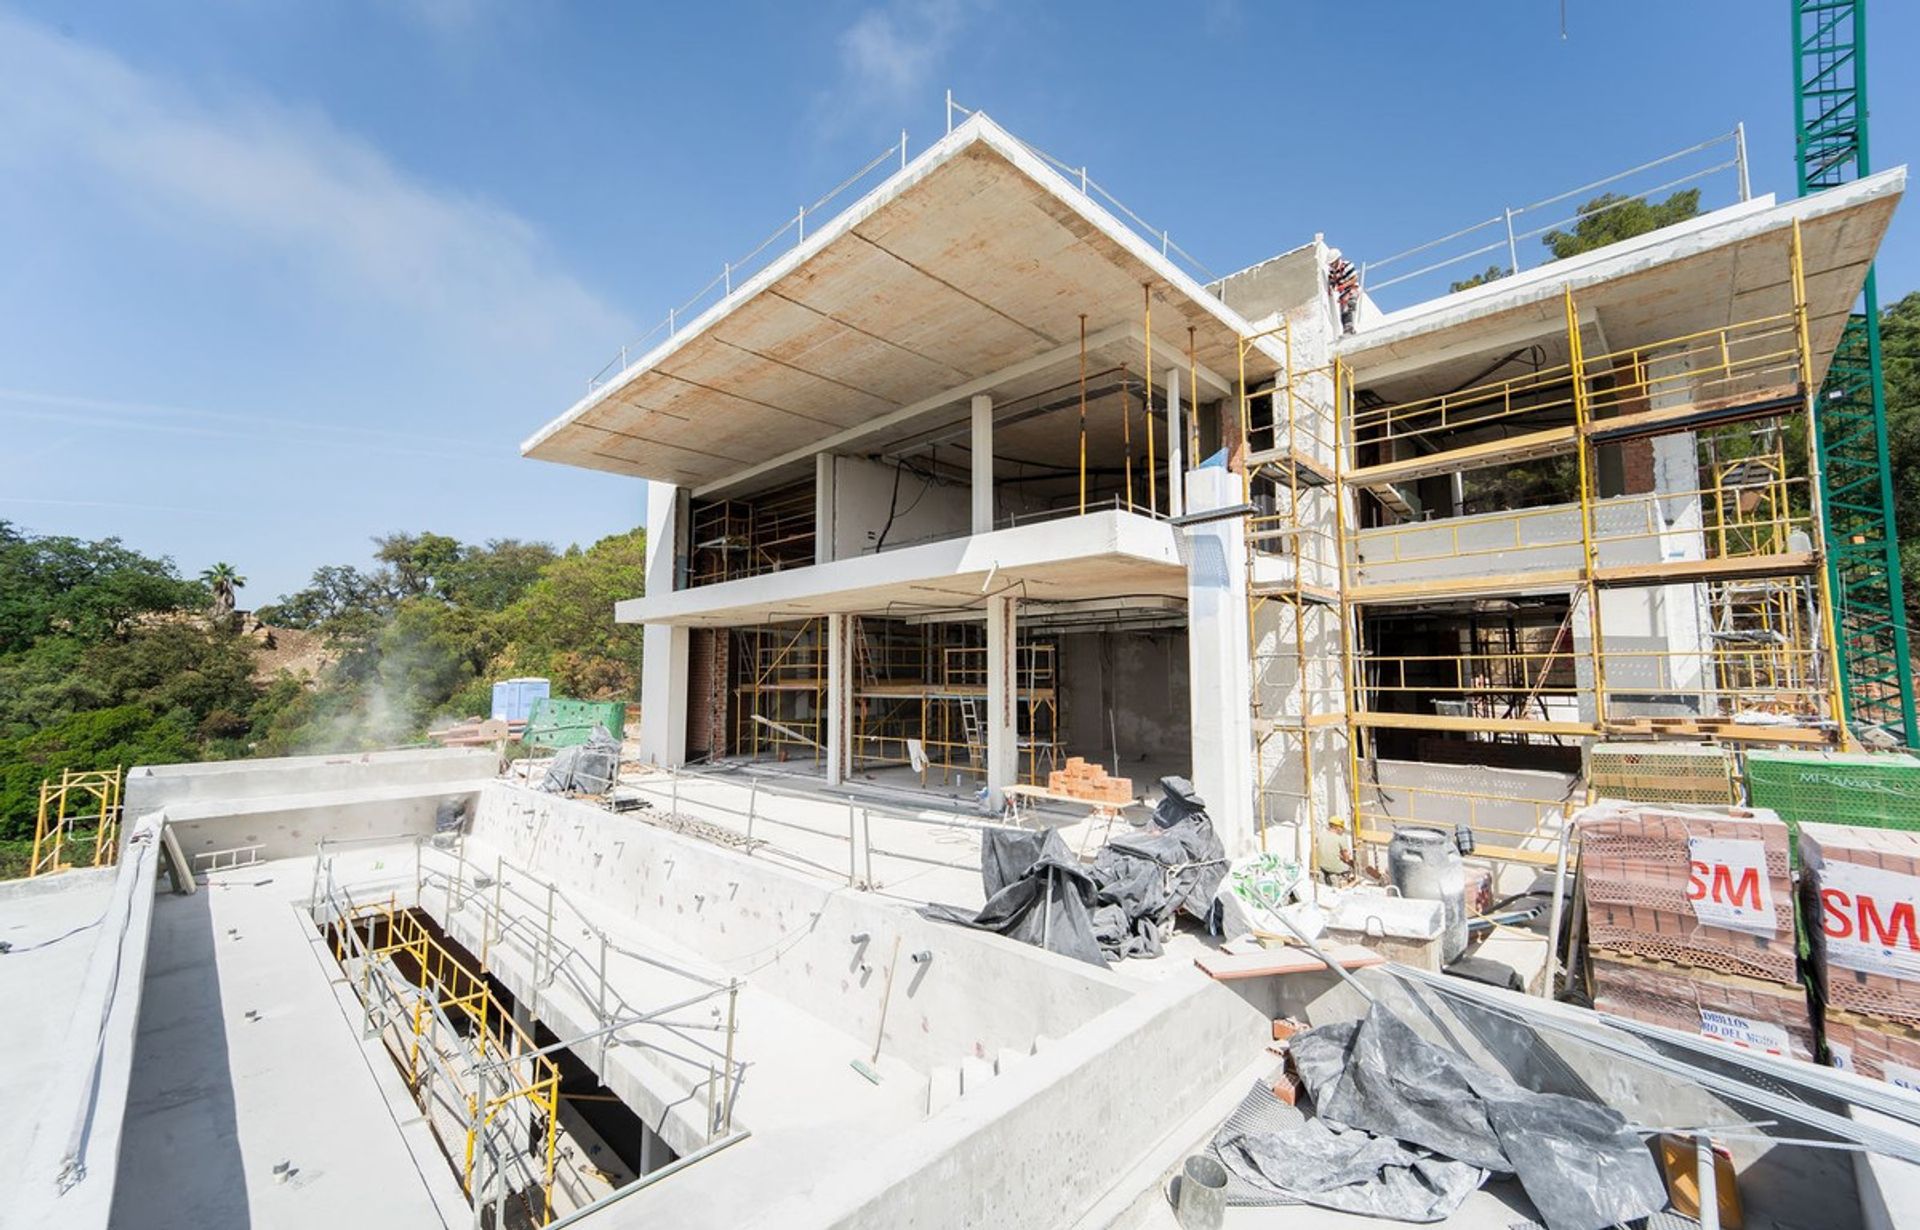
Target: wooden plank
[[1546, 580], [1272, 962], [1676, 572], [1501, 854], [1762, 403], [1473, 457], [1436, 721]]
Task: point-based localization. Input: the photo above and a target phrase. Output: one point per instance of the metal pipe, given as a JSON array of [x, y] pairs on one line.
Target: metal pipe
[[1705, 1178], [1559, 895], [649, 1179]]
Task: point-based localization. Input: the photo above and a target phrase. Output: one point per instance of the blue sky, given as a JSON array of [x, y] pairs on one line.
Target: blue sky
[[279, 277]]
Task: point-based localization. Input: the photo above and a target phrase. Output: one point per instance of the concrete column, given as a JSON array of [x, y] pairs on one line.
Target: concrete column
[[839, 723], [1176, 441], [823, 503], [1003, 749], [663, 672], [1219, 661], [982, 464]]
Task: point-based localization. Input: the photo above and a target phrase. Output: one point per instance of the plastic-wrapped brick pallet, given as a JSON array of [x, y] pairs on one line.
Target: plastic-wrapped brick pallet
[[1709, 887], [1751, 1013], [1884, 1050], [1862, 893]]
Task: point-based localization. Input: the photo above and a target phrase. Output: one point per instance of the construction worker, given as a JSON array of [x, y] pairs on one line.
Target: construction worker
[[1331, 857]]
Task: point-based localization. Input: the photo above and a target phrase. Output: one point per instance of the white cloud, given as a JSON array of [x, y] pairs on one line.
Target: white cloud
[[889, 55], [249, 170]]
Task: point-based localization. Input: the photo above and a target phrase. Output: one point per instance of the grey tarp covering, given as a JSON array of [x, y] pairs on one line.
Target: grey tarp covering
[[450, 815], [1121, 906], [1351, 1170], [1579, 1163], [586, 768]]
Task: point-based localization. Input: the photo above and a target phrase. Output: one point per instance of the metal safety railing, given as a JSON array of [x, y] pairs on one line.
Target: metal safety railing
[[1514, 226], [1506, 827], [1643, 528], [1090, 188], [467, 1062], [563, 946]]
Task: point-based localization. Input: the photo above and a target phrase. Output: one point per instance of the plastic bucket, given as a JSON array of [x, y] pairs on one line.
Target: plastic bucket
[[1202, 1203]]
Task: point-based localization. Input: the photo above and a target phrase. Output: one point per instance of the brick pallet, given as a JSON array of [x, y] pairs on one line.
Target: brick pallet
[[1752, 1013], [1884, 1050], [1862, 886], [1694, 886], [1081, 780]]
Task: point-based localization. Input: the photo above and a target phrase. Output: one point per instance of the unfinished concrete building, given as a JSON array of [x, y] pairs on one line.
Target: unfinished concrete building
[[975, 479], [969, 483]]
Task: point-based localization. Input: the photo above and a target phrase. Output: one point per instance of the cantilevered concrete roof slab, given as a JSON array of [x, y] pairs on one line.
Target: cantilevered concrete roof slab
[[966, 272], [1100, 555], [1723, 268]]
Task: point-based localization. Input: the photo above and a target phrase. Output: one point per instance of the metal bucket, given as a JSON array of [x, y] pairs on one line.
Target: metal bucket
[[1425, 864]]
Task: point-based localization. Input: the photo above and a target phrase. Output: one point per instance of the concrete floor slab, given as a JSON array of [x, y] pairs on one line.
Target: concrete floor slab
[[219, 1098]]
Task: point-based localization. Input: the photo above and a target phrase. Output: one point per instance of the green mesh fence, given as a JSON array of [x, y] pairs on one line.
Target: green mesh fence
[[560, 722]]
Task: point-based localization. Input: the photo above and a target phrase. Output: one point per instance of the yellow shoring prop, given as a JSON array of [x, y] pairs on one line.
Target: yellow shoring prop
[[1146, 403], [1583, 452], [1083, 414]]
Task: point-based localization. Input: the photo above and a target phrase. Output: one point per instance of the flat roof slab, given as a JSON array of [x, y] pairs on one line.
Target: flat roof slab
[[219, 1099], [976, 259]]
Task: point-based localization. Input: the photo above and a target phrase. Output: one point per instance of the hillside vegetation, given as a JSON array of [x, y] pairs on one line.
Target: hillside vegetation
[[111, 657]]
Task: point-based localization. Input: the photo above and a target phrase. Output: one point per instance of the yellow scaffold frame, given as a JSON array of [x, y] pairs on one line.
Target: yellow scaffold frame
[[54, 825]]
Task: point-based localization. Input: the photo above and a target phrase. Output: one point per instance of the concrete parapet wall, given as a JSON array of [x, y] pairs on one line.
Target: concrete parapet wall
[[1040, 1144], [976, 995], [285, 805], [150, 787]]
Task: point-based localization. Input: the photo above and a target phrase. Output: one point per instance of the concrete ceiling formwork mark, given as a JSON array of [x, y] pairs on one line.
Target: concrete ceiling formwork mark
[[968, 270], [1720, 269]]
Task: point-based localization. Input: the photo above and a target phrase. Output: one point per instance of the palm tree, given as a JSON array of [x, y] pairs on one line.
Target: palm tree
[[223, 579]]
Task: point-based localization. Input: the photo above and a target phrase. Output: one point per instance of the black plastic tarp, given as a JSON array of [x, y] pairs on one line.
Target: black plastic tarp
[[1120, 906], [1037, 892]]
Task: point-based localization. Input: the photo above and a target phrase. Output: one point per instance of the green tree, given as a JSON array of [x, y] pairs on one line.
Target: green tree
[[490, 578], [1492, 273], [420, 563], [1609, 218], [87, 589], [563, 626], [222, 580], [1900, 365]]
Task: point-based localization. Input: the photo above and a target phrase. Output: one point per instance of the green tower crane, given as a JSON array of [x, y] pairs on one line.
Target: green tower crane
[[1850, 416]]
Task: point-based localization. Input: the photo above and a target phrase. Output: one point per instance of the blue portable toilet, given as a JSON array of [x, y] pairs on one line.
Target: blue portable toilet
[[513, 698]]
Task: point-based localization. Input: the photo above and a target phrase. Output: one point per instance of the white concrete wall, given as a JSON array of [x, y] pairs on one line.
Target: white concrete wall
[[864, 490], [151, 787], [664, 647], [793, 933], [285, 805]]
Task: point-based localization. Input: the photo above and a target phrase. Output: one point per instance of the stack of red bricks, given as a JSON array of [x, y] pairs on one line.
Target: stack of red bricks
[[1690, 922], [1081, 780], [1861, 889]]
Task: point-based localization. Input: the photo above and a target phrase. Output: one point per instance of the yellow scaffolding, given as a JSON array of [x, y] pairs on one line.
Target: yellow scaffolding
[[75, 796], [1740, 547], [455, 1012]]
